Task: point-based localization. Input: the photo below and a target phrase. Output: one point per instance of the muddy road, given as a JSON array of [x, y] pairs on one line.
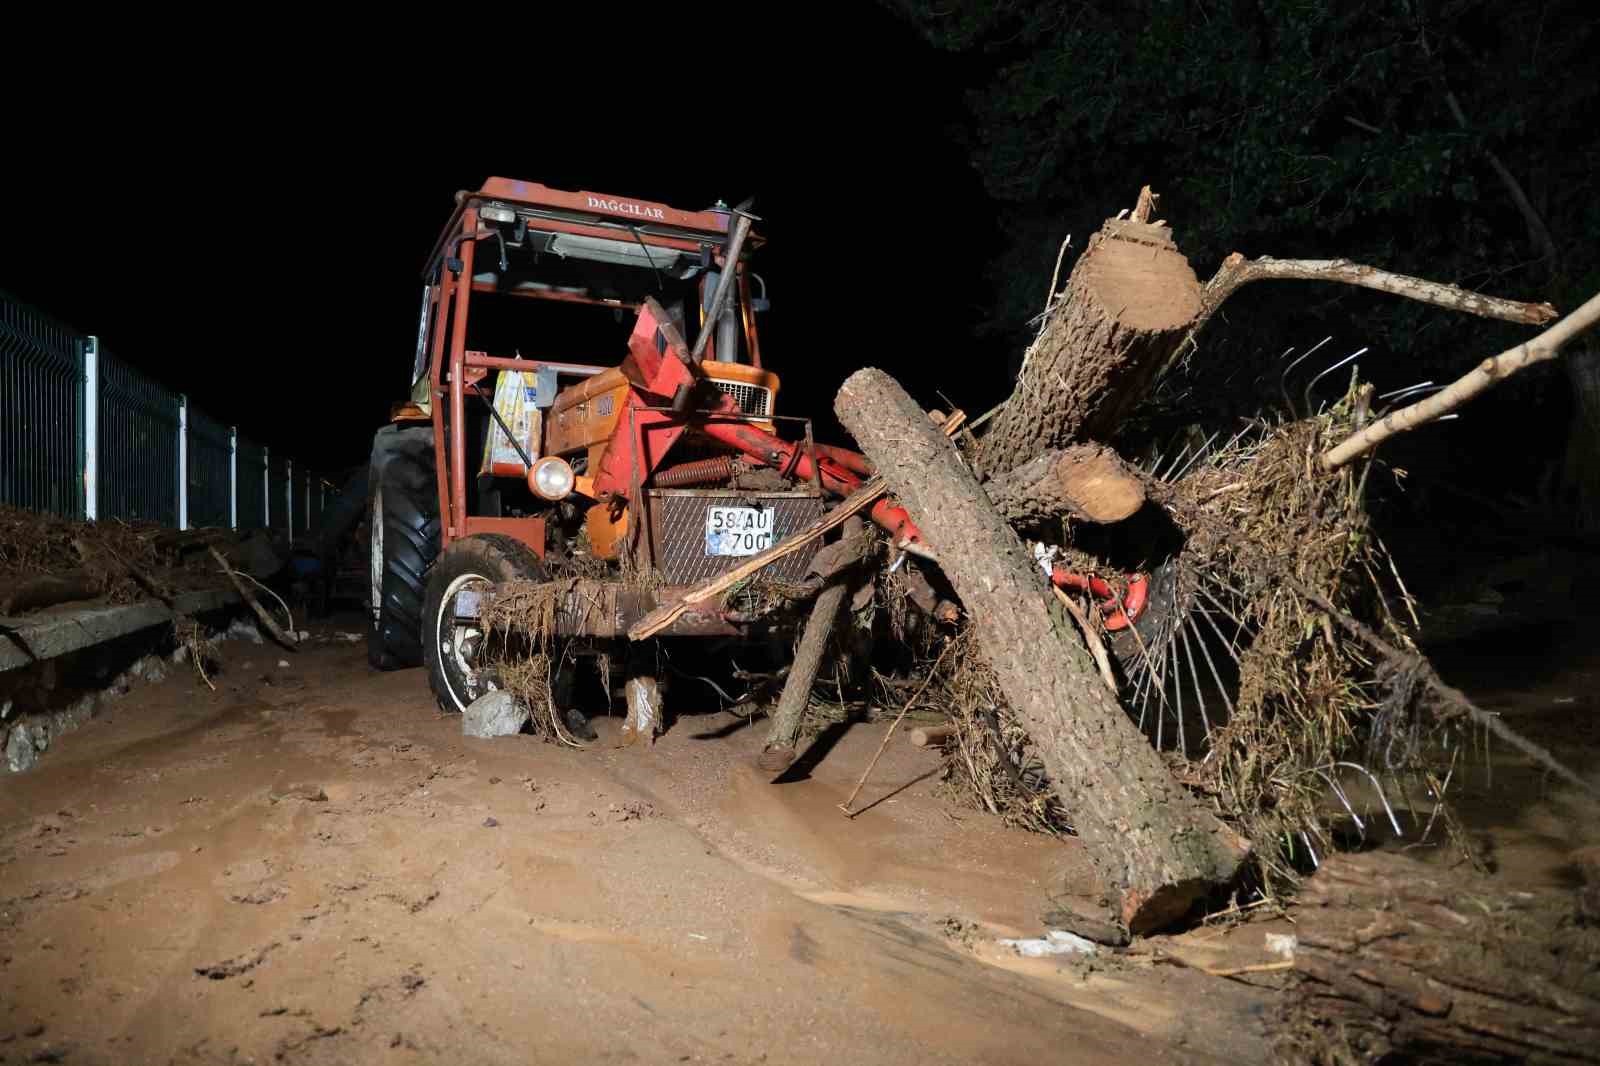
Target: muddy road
[[311, 864]]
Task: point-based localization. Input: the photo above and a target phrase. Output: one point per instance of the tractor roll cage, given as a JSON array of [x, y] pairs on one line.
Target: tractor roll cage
[[453, 370]]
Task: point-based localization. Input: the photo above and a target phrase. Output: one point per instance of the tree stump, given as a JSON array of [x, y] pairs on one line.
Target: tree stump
[[1151, 841], [1397, 959], [1130, 301]]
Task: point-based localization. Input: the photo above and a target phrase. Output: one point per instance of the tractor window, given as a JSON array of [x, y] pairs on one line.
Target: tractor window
[[505, 321]]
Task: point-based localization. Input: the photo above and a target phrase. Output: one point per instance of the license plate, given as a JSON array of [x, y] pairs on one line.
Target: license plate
[[738, 530]]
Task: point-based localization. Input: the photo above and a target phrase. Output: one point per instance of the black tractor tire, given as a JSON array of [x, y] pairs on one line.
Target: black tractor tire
[[403, 523], [484, 559]]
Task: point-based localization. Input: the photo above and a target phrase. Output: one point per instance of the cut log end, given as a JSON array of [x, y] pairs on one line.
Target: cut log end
[[1090, 482], [1137, 274]]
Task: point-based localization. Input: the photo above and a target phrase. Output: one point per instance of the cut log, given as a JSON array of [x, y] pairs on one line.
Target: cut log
[[1129, 302], [1152, 842], [808, 657], [1090, 482], [1399, 961]]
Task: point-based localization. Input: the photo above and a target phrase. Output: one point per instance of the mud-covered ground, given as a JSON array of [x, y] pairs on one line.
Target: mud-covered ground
[[313, 865]]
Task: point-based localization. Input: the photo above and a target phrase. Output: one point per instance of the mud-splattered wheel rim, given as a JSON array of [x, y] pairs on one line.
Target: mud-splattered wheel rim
[[458, 642]]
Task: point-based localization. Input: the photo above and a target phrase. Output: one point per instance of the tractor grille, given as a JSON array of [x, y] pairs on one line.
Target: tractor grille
[[678, 531], [752, 399]]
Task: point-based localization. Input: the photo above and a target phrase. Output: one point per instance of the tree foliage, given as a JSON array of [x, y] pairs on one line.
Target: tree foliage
[[1304, 127]]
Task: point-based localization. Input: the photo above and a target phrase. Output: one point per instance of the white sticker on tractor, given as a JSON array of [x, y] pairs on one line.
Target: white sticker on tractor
[[738, 530]]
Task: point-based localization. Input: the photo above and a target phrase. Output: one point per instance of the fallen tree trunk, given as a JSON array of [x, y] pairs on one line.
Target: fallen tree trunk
[[1087, 481], [1129, 303], [1151, 841], [1394, 959]]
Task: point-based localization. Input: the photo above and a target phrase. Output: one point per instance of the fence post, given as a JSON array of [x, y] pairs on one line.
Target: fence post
[[183, 461], [91, 427], [233, 477], [288, 498], [266, 486]]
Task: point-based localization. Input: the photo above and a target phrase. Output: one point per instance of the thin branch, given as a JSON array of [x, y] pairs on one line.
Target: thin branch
[[1486, 375], [1091, 639], [278, 634], [1237, 271]]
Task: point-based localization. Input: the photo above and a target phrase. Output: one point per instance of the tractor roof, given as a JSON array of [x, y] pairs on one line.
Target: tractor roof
[[596, 215]]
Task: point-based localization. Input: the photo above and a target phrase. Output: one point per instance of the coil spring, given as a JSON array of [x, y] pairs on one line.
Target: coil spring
[[699, 472]]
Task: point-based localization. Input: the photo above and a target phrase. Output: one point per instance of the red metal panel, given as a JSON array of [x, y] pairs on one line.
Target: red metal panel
[[633, 211], [529, 531]]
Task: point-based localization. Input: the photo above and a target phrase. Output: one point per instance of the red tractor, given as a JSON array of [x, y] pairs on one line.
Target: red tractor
[[516, 460]]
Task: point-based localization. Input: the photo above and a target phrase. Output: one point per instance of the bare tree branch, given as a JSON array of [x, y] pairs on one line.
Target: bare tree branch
[[1485, 376], [1237, 271]]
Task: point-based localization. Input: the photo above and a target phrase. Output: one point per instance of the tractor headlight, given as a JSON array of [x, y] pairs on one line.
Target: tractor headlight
[[551, 478]]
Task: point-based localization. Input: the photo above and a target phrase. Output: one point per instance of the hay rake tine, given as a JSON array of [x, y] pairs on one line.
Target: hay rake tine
[[1352, 356], [1283, 378], [1160, 689], [1176, 460], [1382, 798], [1215, 675], [1177, 690], [1194, 675], [1232, 644], [1197, 456]]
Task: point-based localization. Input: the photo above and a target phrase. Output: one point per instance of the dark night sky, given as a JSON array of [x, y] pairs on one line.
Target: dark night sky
[[245, 225]]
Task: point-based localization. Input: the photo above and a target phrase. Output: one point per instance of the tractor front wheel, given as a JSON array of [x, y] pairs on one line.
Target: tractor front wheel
[[454, 639]]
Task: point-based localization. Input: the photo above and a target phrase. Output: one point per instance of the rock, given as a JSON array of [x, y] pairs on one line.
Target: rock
[[181, 653], [149, 668], [495, 714], [74, 715], [5, 709], [20, 752], [306, 793], [283, 664], [304, 635], [243, 629]]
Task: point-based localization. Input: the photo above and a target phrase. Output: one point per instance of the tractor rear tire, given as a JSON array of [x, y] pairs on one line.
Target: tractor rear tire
[[403, 498]]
